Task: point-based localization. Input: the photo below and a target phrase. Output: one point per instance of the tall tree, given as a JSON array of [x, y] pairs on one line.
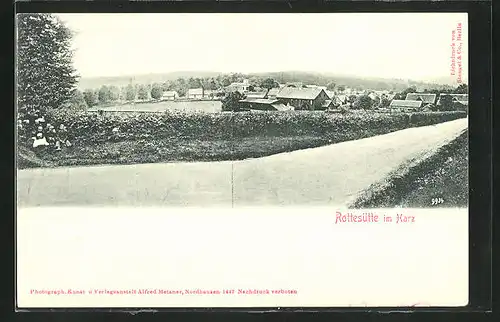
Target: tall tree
[[231, 101], [142, 92], [331, 86], [91, 98], [269, 83], [114, 93], [363, 102], [130, 92], [46, 77], [104, 94], [156, 91], [384, 102], [213, 84], [446, 103], [77, 101]]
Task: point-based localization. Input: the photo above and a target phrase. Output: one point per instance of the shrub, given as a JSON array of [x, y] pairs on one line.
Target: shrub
[[86, 127]]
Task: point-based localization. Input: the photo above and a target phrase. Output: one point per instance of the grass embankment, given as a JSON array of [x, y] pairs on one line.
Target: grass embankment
[[442, 177], [147, 151], [29, 159], [170, 137]]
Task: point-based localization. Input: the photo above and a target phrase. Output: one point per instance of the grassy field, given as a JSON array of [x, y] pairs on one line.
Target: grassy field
[[175, 150], [438, 181], [174, 106]]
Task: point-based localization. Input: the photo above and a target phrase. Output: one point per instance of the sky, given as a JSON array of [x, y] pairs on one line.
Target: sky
[[388, 45]]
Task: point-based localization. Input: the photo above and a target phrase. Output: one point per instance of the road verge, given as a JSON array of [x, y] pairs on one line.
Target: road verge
[[428, 180]]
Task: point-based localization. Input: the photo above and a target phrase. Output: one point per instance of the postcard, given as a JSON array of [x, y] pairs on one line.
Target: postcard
[[242, 160]]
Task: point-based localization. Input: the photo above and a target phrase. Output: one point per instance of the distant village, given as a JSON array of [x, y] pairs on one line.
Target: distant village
[[299, 96]]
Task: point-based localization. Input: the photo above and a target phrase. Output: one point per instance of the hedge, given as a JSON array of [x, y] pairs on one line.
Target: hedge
[[84, 127]]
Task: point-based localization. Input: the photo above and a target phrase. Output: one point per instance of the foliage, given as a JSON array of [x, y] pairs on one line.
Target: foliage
[[341, 88], [344, 109], [104, 94], [76, 102], [331, 86], [46, 78], [156, 91], [461, 89], [45, 74], [446, 103], [402, 95], [363, 102], [130, 92], [84, 127], [376, 102], [443, 174], [269, 83], [114, 93], [142, 92], [90, 97], [384, 102], [231, 101]]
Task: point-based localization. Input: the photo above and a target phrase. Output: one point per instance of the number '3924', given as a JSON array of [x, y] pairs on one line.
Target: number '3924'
[[437, 201]]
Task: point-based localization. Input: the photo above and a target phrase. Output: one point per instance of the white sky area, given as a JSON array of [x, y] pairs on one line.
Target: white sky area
[[389, 45]]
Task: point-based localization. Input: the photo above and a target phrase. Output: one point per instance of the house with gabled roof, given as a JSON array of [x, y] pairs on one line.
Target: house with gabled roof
[[340, 100], [242, 87], [303, 98], [295, 84], [461, 101], [405, 104], [328, 104], [195, 93], [271, 93], [263, 104], [459, 98], [373, 95], [426, 98], [170, 95], [256, 94]]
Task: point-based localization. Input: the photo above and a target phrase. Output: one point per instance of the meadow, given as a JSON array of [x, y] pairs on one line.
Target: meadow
[[204, 106]]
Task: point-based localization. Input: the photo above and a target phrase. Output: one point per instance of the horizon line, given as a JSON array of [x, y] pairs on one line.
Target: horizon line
[[326, 74]]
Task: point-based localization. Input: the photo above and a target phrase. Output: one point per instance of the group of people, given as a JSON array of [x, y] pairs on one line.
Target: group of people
[[45, 135]]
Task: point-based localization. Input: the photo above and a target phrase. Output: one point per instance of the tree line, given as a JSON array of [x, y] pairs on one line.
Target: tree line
[[107, 94]]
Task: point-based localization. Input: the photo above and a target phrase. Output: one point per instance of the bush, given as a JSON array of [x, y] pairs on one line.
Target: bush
[[428, 118], [84, 127]]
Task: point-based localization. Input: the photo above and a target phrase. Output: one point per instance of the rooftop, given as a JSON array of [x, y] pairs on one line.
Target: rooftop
[[256, 94], [326, 103], [299, 93], [170, 93], [330, 94], [195, 91], [273, 92], [405, 103], [259, 100], [425, 97], [458, 97]]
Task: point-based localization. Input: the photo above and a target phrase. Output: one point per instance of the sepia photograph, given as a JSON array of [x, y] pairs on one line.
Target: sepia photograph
[[363, 110], [242, 160]]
